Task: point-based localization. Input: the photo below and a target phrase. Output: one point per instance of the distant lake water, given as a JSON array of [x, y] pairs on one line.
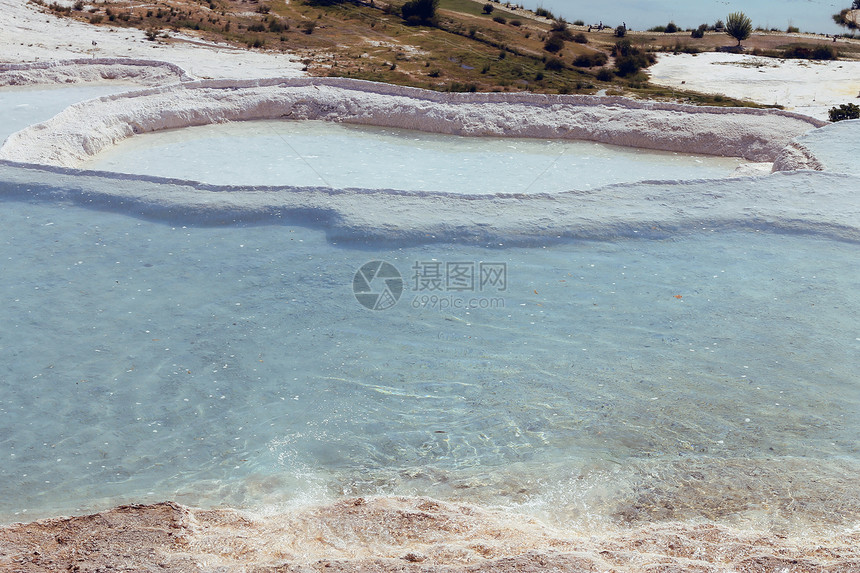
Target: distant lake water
[[808, 15]]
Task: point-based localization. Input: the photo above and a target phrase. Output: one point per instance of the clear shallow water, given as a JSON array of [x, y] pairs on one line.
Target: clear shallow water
[[20, 107], [339, 155], [232, 365], [808, 15]]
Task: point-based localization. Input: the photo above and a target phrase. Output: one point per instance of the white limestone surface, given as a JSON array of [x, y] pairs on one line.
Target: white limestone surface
[[85, 129], [86, 71], [831, 148], [802, 86]]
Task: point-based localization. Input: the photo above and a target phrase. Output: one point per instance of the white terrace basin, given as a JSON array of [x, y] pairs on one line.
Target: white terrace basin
[[316, 153]]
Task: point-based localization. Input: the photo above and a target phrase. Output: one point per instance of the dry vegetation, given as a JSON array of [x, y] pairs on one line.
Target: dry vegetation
[[469, 49]]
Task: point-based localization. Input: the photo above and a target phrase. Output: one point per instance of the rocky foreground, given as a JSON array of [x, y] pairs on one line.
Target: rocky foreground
[[397, 534]]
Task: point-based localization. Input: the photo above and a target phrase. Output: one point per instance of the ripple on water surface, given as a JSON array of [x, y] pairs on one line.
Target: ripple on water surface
[[632, 380]]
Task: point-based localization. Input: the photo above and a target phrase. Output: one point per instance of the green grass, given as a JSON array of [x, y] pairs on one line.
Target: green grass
[[463, 6]]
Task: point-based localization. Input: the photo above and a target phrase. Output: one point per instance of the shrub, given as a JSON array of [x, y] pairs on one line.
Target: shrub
[[58, 8], [516, 23], [308, 26], [554, 44], [824, 53], [590, 60], [578, 23], [488, 8], [844, 111], [738, 26], [96, 18], [804, 53], [604, 75], [500, 19], [151, 34], [544, 13], [458, 87], [554, 64], [718, 25], [792, 30], [583, 61], [699, 32], [671, 28], [629, 59], [620, 31], [684, 49], [580, 38], [559, 25]]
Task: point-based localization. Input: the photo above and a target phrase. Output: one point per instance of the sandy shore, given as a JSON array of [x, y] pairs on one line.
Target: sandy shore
[[397, 534]]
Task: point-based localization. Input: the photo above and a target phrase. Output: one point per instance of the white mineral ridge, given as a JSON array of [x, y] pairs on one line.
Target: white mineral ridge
[[89, 71], [85, 129]]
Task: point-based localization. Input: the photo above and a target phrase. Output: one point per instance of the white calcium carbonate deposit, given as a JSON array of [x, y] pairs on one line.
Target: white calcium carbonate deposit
[[803, 86], [87, 128], [144, 72]]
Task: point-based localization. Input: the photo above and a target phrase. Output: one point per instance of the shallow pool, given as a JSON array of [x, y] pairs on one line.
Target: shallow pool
[[24, 106], [234, 365], [316, 153]]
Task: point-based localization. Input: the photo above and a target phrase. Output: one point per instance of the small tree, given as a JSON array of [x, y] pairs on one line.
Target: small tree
[[488, 8], [846, 18], [420, 11], [738, 26], [844, 111]]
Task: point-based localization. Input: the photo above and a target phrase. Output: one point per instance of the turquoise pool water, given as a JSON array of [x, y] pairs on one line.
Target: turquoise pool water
[[316, 153], [233, 365]]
